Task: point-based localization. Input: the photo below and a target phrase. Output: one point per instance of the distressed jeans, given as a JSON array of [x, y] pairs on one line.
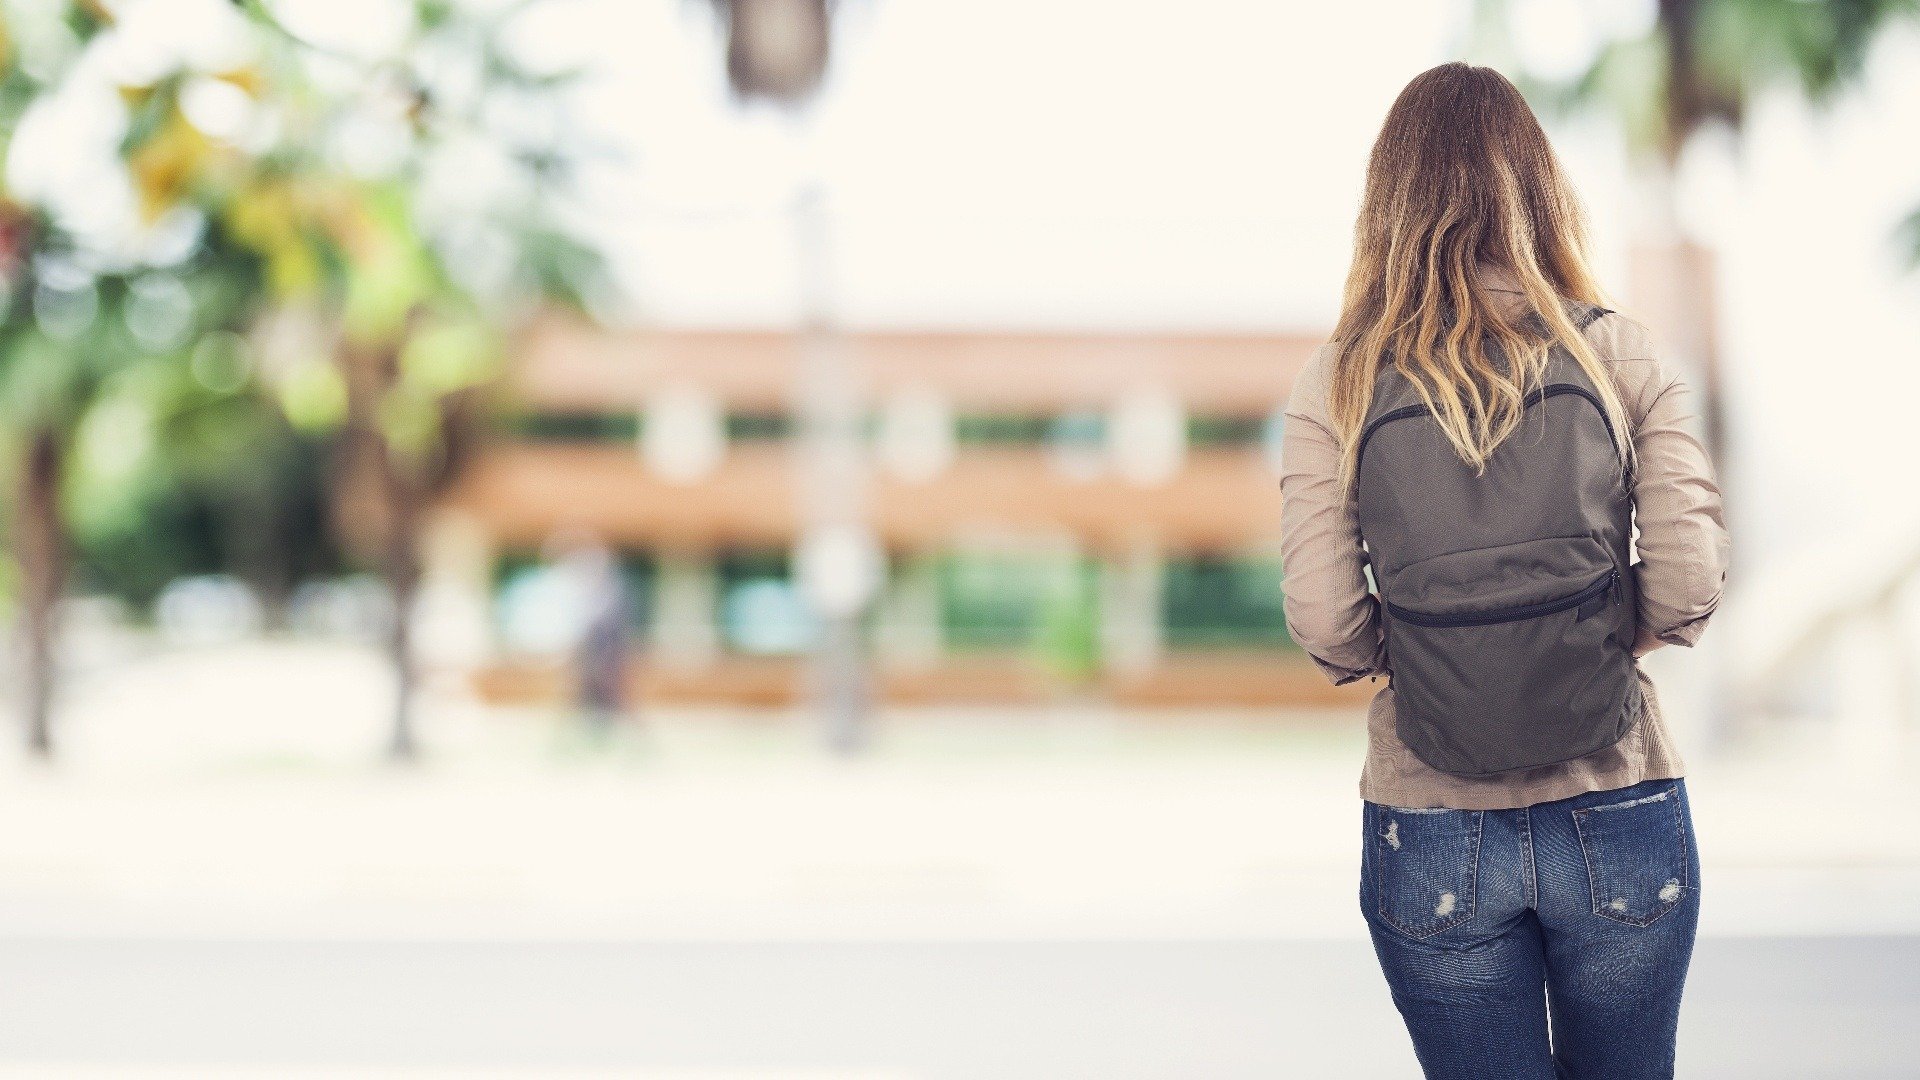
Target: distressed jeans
[[1547, 943]]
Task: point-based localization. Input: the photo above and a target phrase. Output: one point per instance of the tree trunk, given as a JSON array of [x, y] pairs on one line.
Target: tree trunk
[[258, 545], [1687, 280], [386, 489], [40, 548], [401, 564]]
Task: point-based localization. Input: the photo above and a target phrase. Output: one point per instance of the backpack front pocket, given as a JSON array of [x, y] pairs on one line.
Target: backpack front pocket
[[1510, 657], [1594, 590]]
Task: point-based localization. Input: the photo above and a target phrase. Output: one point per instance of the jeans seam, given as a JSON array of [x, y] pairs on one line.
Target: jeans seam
[[1586, 856], [1371, 867], [1680, 830], [1473, 869], [1526, 849]]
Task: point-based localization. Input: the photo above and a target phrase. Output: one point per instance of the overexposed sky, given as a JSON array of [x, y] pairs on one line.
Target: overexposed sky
[[1001, 162]]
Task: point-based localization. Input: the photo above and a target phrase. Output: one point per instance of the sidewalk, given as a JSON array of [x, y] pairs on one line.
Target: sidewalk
[[182, 808]]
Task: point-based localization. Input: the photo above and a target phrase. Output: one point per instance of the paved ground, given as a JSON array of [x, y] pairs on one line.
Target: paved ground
[[205, 888], [1759, 1009]]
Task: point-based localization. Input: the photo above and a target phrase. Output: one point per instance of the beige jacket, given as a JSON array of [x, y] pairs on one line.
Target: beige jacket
[[1681, 547]]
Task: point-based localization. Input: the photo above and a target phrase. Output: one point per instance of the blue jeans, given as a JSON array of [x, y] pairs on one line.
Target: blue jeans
[[1488, 922]]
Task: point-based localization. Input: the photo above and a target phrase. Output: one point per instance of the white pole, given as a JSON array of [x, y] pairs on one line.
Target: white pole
[[837, 560]]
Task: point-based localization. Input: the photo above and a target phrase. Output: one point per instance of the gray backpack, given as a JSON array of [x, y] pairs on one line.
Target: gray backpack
[[1508, 604]]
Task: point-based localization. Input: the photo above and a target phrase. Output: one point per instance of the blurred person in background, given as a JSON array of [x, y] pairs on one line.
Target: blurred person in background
[[1479, 442], [587, 573]]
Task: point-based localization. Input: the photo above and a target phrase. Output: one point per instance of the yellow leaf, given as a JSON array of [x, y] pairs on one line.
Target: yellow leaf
[[166, 166]]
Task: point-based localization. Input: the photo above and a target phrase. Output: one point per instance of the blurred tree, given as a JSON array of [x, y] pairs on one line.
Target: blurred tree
[[1698, 65], [138, 434], [55, 342], [345, 237], [414, 221], [183, 466]]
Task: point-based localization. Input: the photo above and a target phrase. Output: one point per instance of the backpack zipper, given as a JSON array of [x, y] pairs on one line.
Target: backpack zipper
[[1408, 412], [1505, 615]]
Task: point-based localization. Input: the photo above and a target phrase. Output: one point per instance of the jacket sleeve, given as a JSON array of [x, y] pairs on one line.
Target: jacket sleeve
[[1682, 543], [1330, 612]]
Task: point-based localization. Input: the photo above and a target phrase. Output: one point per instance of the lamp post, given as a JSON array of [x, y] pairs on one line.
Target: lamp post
[[838, 560], [777, 51]]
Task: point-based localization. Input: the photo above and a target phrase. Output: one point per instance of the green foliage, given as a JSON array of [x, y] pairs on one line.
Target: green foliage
[[451, 351], [43, 378], [1702, 62], [388, 270], [1630, 77], [1821, 45], [198, 443], [314, 397], [173, 476]]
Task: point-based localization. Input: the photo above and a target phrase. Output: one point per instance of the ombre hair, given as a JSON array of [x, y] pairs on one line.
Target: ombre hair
[[1461, 181]]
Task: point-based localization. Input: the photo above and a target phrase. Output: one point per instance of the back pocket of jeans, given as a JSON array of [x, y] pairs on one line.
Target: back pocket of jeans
[[1636, 856], [1426, 865]]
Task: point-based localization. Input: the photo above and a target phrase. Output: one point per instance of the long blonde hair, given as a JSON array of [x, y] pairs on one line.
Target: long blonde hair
[[1462, 179]]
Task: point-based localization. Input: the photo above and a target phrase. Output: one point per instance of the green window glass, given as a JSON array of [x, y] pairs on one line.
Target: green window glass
[[1221, 601], [761, 611], [1001, 429], [757, 426], [576, 427], [638, 570], [1000, 600], [1226, 430]]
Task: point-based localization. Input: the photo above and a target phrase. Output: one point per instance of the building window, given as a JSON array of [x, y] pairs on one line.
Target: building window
[[589, 426], [761, 610], [1001, 429], [538, 611], [1222, 601], [1019, 600], [758, 426], [1077, 444], [991, 600], [576, 427], [1273, 439], [1230, 431]]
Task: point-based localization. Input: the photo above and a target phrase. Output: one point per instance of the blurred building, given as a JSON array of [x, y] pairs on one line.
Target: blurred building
[[1062, 514]]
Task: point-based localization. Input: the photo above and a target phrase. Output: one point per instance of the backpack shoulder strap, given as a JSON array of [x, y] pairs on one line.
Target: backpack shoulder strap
[[1585, 315]]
